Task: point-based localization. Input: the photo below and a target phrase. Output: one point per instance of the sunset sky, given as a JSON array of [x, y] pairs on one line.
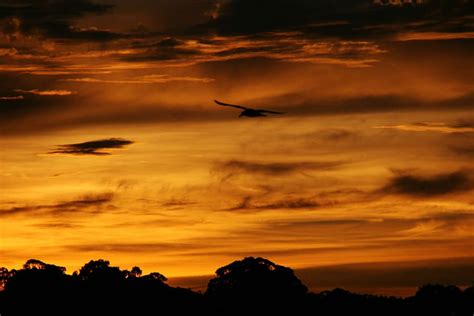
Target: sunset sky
[[112, 146]]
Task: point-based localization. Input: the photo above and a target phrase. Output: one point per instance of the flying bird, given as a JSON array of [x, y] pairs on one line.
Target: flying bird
[[247, 111]]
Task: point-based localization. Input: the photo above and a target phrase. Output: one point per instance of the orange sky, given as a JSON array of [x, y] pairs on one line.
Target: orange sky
[[372, 161]]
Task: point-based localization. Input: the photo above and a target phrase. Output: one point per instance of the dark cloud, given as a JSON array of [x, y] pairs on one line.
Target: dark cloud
[[351, 18], [53, 19], [247, 204], [94, 148], [273, 168], [420, 186], [88, 204], [463, 150], [177, 203]]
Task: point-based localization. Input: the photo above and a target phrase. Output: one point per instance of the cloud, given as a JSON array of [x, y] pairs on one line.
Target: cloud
[[444, 220], [273, 168], [152, 247], [419, 186], [147, 79], [291, 203], [349, 19], [463, 150], [93, 148], [434, 36], [87, 204], [46, 92], [283, 46], [300, 104], [18, 97], [24, 118], [433, 127], [51, 19]]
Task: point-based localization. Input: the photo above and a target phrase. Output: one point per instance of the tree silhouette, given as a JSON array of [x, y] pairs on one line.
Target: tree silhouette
[[96, 270], [5, 275], [255, 282], [155, 276], [436, 299], [248, 286], [136, 272]]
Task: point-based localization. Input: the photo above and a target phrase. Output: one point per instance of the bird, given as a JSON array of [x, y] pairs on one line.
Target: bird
[[248, 111]]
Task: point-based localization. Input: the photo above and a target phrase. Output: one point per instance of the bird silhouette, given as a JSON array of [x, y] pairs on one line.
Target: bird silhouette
[[247, 111]]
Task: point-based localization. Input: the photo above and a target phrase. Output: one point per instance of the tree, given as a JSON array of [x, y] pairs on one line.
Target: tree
[[155, 276], [436, 299], [136, 272], [34, 264], [99, 269], [256, 279], [5, 275]]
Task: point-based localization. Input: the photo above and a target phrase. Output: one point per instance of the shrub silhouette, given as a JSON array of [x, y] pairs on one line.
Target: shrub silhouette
[[249, 286]]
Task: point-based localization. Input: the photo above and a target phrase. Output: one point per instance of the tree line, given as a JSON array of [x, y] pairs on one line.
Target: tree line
[[245, 287]]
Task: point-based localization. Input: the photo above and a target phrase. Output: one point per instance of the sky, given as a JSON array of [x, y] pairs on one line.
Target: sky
[[112, 147]]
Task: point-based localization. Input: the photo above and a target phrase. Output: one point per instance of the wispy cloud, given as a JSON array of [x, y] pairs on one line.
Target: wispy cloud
[[18, 97], [125, 247], [47, 92], [284, 46], [93, 148], [434, 36], [89, 203], [248, 204], [148, 79], [432, 127], [274, 168]]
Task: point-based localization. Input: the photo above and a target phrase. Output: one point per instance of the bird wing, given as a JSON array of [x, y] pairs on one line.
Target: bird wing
[[270, 112], [232, 105]]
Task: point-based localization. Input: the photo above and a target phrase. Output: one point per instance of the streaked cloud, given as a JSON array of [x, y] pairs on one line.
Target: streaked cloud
[[248, 204], [13, 98], [147, 79], [434, 36], [89, 204], [47, 92], [432, 127], [284, 46], [92, 148], [273, 168]]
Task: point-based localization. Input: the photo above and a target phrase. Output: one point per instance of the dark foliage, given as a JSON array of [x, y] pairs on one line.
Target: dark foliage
[[247, 287]]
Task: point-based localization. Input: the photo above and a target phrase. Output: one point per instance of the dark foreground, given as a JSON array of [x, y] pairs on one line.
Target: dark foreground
[[248, 287]]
